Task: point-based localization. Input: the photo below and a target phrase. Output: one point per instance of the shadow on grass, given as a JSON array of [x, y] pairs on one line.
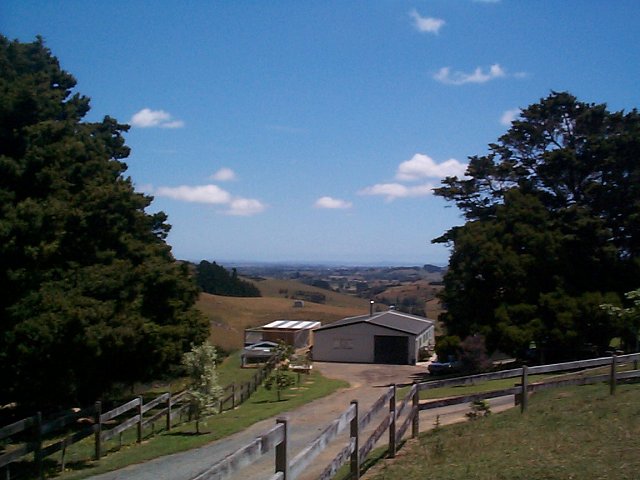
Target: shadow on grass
[[50, 468], [262, 402], [186, 434], [80, 465]]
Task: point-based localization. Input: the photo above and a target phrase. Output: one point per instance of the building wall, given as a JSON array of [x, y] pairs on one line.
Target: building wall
[[354, 343], [426, 339]]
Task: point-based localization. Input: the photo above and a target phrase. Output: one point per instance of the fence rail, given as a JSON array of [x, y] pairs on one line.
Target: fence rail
[[276, 439], [354, 453], [272, 439], [311, 451], [174, 407]]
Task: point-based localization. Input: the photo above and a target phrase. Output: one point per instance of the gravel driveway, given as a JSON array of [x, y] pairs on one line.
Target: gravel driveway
[[367, 384]]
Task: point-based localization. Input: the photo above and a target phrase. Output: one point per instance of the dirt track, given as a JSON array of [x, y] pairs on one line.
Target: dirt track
[[306, 422]]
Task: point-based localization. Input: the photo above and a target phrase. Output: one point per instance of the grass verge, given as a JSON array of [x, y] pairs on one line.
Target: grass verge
[[262, 405], [580, 432]]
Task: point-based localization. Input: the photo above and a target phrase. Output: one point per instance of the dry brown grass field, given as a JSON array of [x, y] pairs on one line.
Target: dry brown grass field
[[421, 290], [229, 316], [287, 288]]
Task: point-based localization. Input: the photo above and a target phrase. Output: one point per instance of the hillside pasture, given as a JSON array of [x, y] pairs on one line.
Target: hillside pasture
[[287, 289], [578, 432], [421, 290], [229, 316]]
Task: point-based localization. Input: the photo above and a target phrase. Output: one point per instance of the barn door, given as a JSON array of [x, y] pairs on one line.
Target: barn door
[[391, 349]]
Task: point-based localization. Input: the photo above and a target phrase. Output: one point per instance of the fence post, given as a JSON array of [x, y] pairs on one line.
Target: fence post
[[392, 423], [98, 429], [524, 401], [282, 462], [415, 425], [233, 396], [612, 376], [140, 419], [169, 412], [354, 433], [37, 453]]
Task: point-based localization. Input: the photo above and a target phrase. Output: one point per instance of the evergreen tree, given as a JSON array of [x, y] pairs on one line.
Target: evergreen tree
[[215, 279], [90, 292], [552, 231]]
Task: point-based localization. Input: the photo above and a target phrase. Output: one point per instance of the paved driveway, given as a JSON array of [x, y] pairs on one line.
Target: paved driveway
[[367, 384]]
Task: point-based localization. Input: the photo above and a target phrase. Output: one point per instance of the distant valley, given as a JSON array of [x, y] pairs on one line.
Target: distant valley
[[326, 294]]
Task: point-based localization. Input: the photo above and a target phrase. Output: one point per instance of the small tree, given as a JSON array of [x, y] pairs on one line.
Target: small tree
[[628, 319], [204, 389], [280, 379]]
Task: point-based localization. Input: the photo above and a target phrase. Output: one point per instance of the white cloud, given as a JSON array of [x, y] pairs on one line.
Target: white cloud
[[509, 116], [147, 118], [422, 166], [446, 76], [211, 194], [224, 175], [332, 203], [396, 190], [426, 24], [245, 207]]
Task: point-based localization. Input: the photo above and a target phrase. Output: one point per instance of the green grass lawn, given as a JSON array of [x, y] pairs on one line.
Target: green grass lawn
[[229, 371], [571, 433], [484, 386], [261, 405], [489, 385]]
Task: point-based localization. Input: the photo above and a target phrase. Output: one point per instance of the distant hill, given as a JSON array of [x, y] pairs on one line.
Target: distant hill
[[229, 316], [289, 289]]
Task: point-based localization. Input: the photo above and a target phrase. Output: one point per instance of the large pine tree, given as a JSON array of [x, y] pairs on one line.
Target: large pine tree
[[90, 293], [552, 231]]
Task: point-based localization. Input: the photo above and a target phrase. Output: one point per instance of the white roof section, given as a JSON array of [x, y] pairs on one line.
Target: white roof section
[[292, 325]]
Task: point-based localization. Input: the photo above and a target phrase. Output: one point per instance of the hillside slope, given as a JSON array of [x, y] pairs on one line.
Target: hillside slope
[[229, 316]]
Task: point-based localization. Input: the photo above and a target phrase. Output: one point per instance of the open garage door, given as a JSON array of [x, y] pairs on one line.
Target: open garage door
[[391, 349]]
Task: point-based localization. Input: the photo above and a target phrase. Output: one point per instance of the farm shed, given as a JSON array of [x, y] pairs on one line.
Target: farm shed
[[386, 337], [298, 333]]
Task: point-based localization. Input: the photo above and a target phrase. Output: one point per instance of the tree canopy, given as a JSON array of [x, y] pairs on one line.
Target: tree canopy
[[215, 279], [552, 230], [90, 293]]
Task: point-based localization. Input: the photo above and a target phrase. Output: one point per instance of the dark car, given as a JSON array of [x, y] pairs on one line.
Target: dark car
[[443, 368]]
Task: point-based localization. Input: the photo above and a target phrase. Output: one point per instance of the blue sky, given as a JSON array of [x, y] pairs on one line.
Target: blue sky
[[314, 131]]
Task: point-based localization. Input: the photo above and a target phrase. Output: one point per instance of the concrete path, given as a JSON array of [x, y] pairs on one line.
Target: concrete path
[[306, 423]]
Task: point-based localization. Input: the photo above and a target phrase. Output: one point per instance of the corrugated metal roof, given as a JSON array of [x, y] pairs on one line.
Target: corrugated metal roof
[[292, 324], [393, 319]]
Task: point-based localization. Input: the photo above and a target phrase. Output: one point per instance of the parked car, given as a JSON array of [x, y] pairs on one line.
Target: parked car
[[444, 368], [257, 353]]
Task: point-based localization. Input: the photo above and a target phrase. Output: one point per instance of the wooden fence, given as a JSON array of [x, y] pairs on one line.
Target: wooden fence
[[356, 449], [104, 426], [234, 394]]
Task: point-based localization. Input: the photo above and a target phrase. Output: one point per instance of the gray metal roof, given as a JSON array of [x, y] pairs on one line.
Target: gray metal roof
[[392, 319]]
